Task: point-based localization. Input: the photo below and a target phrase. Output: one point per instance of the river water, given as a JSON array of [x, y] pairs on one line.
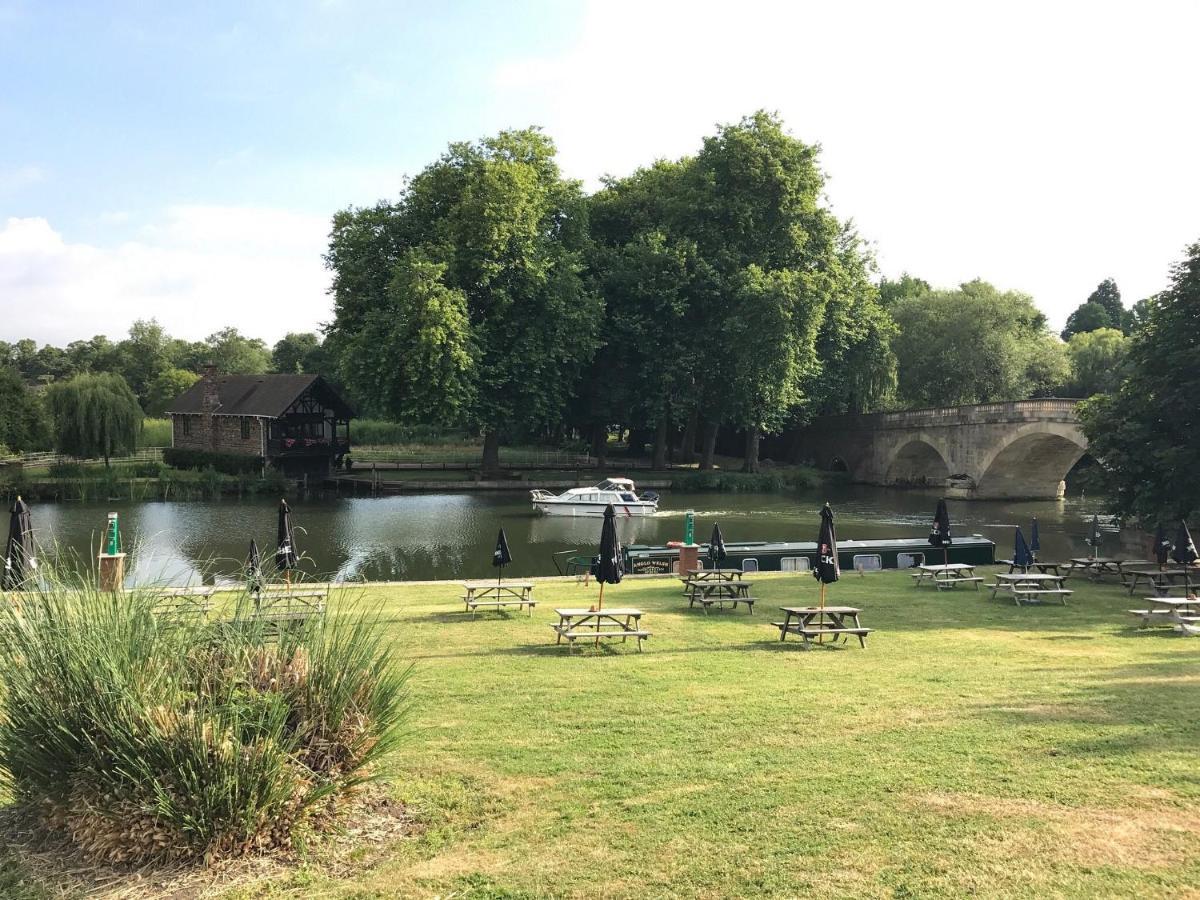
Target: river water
[[428, 536]]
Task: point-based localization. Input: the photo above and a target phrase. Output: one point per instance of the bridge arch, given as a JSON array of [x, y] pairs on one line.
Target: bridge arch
[[916, 462], [1033, 462]]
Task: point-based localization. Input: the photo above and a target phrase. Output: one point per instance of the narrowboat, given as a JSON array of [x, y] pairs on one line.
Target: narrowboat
[[799, 556]]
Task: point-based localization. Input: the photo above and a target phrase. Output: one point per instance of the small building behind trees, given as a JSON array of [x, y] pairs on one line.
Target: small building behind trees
[[297, 423]]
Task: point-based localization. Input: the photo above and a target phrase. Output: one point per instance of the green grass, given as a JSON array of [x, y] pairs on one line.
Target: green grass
[[973, 748]]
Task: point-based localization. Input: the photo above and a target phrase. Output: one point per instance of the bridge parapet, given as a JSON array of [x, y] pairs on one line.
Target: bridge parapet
[[1052, 409]]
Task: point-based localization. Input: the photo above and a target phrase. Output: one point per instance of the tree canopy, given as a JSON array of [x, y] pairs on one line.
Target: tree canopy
[[1097, 361], [1144, 433], [94, 416], [1102, 309], [22, 421]]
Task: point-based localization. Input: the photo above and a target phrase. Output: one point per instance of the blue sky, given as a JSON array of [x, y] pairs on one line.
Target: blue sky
[[183, 160]]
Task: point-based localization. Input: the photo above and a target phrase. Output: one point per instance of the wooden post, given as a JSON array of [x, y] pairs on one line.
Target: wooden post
[[112, 572]]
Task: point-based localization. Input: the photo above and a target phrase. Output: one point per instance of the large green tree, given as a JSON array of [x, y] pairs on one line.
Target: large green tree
[[975, 344], [1102, 309], [94, 415], [501, 228], [1097, 361], [22, 418], [1144, 433], [232, 353], [166, 386]]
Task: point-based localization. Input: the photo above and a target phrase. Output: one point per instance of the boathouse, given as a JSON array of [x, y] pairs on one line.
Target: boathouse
[[297, 423]]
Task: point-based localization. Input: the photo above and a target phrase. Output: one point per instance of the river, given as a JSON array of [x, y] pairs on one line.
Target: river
[[429, 536]]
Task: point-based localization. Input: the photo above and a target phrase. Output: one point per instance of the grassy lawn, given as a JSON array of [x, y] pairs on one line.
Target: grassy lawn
[[973, 748]]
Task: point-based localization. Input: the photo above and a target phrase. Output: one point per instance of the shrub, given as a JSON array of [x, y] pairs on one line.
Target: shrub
[[155, 433], [226, 463], [206, 741]]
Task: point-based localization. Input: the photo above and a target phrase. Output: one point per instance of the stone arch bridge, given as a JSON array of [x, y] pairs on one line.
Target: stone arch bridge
[[1022, 449]]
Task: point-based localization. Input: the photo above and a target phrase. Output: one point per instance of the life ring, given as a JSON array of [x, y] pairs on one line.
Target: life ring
[[674, 543]]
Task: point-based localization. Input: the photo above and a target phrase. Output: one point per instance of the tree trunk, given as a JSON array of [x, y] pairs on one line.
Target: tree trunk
[[687, 446], [708, 445], [660, 446], [600, 445], [491, 451], [750, 462]]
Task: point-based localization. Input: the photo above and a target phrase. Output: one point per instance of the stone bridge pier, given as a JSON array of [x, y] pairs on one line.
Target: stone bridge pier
[[1022, 449]]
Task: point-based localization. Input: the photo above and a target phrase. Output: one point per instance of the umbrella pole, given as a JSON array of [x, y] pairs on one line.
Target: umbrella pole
[[600, 604]]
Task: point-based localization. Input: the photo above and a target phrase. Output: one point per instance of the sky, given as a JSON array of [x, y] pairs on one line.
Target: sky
[[183, 161]]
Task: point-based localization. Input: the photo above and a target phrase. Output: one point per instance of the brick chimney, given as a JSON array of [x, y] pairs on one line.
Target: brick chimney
[[211, 400]]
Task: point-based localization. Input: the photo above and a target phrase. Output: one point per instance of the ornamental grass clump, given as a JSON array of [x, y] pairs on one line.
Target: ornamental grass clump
[[146, 737]]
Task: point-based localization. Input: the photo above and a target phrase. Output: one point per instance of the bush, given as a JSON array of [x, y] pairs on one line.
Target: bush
[[380, 432], [226, 463], [735, 482], [206, 741], [155, 433]]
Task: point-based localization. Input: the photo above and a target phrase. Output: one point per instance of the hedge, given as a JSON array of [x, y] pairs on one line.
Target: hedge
[[229, 463]]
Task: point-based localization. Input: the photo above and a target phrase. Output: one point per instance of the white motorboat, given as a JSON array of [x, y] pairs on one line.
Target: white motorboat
[[591, 501]]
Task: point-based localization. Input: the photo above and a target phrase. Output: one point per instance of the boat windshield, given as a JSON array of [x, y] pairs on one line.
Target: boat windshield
[[607, 485]]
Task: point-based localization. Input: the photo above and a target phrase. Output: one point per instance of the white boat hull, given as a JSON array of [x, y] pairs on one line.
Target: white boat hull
[[594, 510]]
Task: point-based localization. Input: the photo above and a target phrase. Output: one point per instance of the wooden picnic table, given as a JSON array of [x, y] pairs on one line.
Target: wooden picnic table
[[1044, 568], [1181, 613], [818, 621], [718, 593], [592, 624], [1031, 586], [1097, 567], [946, 575], [498, 595], [714, 574], [1160, 579]]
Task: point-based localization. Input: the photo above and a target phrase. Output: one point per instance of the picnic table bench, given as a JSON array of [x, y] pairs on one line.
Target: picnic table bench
[[494, 595], [1044, 568], [718, 593], [1031, 587], [1160, 580], [289, 606], [946, 575], [594, 624], [181, 603], [1181, 613], [818, 621], [1096, 567]]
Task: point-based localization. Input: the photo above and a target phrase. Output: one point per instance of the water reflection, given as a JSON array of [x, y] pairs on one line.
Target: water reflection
[[452, 535]]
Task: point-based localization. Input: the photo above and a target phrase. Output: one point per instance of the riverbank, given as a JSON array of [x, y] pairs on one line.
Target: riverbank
[[970, 733]]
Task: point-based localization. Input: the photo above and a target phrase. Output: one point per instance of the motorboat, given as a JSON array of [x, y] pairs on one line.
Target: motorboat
[[591, 501]]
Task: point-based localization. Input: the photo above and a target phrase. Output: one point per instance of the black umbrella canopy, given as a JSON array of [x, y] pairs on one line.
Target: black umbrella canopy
[[612, 566], [501, 556], [716, 546], [1162, 546], [939, 535], [827, 570], [1185, 550], [1022, 558], [20, 557], [285, 546]]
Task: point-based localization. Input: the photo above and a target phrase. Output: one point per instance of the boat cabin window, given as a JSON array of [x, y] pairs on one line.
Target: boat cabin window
[[750, 565], [794, 564], [867, 562], [909, 560], [628, 497]]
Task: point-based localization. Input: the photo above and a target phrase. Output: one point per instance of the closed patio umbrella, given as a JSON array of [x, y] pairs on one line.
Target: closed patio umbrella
[[501, 556], [1184, 553], [1094, 538], [20, 559], [1162, 546], [611, 566], [939, 535], [1022, 558], [254, 572], [285, 545], [827, 570], [1035, 541], [716, 547]]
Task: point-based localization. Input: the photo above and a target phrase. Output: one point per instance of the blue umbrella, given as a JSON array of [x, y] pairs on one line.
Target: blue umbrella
[[1035, 543], [1021, 555]]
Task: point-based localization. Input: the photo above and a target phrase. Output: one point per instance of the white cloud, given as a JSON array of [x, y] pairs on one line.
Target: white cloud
[[1041, 147], [196, 270]]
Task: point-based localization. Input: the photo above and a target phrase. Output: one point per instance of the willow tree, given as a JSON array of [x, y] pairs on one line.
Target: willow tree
[[94, 415], [504, 236]]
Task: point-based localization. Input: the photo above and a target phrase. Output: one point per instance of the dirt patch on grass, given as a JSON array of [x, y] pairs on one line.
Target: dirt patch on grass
[[1139, 837], [50, 866]]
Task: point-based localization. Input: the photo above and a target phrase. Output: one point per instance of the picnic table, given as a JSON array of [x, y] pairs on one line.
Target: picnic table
[[1161, 580], [947, 575], [1030, 586], [1181, 613], [289, 605], [718, 592], [185, 602], [818, 621], [1097, 567], [713, 574], [1051, 568], [593, 624], [497, 595]]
